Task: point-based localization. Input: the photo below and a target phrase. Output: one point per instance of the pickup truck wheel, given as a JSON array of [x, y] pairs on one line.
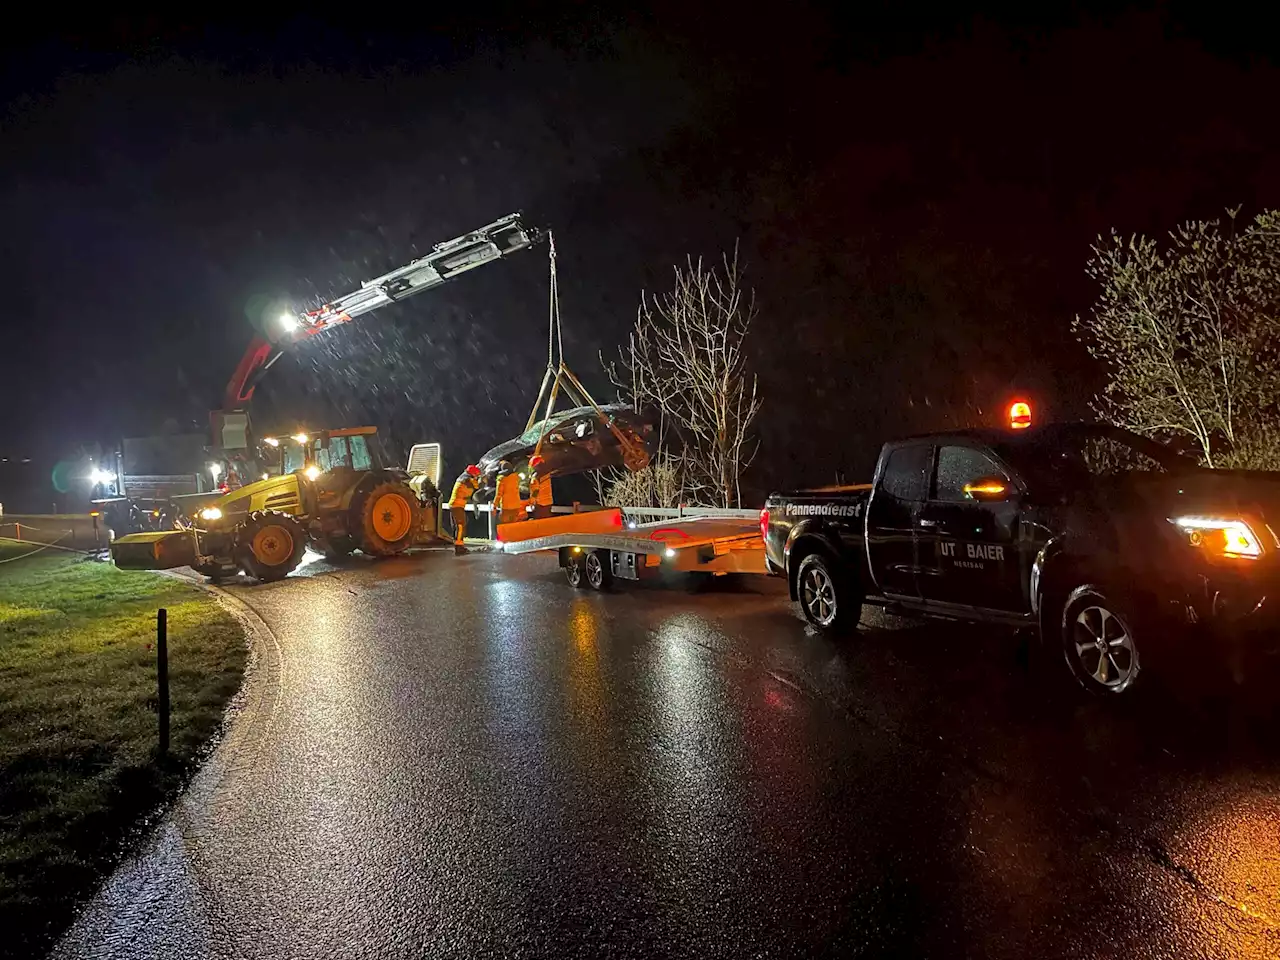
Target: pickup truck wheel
[[1098, 642], [826, 600]]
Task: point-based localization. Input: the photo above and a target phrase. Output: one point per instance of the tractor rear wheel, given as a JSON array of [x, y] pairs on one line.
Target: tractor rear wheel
[[387, 517], [269, 545]]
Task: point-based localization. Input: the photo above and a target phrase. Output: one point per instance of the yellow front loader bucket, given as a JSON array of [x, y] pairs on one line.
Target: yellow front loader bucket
[[154, 551]]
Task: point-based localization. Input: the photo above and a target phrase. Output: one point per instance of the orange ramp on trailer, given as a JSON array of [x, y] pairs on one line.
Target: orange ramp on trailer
[[589, 521]]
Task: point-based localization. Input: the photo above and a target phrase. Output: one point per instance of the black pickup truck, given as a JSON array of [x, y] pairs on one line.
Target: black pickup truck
[[1113, 546]]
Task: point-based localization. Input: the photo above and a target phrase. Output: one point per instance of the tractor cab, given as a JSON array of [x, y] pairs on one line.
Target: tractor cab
[[349, 448]]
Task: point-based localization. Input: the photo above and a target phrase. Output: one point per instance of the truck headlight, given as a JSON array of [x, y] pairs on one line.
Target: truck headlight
[[1228, 537], [311, 472], [211, 513]]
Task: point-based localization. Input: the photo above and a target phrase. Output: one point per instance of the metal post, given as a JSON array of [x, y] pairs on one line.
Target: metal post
[[162, 676], [493, 522]]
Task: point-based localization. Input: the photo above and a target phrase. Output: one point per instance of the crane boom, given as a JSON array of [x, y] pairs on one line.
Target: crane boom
[[445, 261]]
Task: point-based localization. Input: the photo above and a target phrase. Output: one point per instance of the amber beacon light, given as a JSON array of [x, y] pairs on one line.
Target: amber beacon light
[[1019, 415]]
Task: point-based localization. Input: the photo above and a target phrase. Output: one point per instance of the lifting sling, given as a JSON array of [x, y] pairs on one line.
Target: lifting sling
[[558, 376]]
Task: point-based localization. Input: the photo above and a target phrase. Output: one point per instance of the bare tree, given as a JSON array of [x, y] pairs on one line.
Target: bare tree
[[660, 484], [1191, 334], [685, 357]]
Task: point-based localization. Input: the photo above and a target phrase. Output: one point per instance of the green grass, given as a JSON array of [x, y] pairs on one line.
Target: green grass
[[79, 768]]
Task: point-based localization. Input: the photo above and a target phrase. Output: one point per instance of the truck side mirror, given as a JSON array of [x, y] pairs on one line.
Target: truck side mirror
[[987, 489]]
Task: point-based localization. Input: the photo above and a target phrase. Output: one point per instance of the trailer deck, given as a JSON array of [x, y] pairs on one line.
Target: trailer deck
[[632, 551]]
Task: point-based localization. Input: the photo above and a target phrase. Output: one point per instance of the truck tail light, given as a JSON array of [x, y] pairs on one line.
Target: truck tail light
[[764, 523]]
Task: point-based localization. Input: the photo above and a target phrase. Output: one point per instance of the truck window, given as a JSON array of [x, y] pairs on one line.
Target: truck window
[[906, 473], [958, 466]]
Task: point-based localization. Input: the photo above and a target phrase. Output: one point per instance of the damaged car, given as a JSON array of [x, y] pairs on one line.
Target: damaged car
[[584, 438]]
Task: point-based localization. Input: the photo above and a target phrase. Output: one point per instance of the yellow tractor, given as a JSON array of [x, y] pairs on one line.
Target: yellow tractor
[[335, 490]]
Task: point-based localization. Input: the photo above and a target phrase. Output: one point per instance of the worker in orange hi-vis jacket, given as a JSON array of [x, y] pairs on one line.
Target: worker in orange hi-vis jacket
[[507, 499], [464, 489], [539, 489]]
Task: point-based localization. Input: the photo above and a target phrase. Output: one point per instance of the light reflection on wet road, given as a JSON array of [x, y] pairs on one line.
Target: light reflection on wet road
[[463, 757]]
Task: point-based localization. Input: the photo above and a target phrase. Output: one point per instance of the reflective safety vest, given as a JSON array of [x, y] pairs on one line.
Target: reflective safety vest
[[463, 488], [508, 495], [540, 491]]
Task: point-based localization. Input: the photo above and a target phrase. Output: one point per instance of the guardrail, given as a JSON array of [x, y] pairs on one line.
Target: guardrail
[[664, 513]]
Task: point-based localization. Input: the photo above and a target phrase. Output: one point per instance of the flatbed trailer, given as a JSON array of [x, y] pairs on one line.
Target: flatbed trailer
[[597, 548]]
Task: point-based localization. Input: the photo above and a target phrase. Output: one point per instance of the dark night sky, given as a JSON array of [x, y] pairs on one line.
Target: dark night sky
[[915, 204]]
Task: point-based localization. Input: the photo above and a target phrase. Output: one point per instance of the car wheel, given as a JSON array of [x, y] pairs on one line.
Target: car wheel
[[573, 571], [595, 566], [1099, 642], [826, 600]]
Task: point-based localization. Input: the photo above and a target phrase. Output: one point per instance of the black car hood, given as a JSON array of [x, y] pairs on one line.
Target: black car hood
[[1198, 492], [1252, 492]]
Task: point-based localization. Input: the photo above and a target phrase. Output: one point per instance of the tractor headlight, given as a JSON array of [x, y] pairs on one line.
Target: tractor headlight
[[211, 513], [1220, 537], [311, 472]]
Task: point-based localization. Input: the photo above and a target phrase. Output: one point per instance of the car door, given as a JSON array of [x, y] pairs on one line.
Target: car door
[[968, 532], [899, 493]]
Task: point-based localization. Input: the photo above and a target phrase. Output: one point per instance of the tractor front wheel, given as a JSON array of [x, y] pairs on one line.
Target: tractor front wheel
[[387, 517], [269, 545]]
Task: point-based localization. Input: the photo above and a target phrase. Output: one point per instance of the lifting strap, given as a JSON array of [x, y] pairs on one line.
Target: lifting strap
[[558, 375]]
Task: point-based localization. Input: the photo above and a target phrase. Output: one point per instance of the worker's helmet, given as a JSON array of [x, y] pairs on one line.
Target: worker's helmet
[[473, 470], [536, 461]]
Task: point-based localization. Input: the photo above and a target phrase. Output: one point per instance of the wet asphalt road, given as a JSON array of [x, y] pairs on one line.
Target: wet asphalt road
[[449, 757]]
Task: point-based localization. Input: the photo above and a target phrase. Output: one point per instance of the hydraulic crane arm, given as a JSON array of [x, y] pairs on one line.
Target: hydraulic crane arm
[[444, 262]]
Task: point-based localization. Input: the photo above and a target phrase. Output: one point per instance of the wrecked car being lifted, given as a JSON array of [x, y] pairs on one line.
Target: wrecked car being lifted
[[573, 441]]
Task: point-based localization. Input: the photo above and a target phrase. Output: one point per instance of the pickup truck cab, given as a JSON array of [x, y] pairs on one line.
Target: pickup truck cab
[[1113, 546]]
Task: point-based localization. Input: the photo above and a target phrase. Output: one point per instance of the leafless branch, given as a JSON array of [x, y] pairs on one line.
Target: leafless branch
[[1190, 333], [685, 357]]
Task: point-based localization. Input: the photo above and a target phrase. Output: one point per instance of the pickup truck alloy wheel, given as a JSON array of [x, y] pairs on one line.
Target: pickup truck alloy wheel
[[1099, 644], [818, 594], [825, 600]]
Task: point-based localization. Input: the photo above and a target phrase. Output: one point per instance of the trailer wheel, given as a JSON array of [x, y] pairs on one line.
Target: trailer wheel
[[595, 567], [269, 545], [573, 571]]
